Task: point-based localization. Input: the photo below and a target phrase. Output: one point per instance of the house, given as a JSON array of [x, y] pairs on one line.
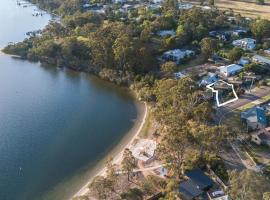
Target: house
[[217, 195], [189, 190], [196, 185], [119, 1], [230, 70], [177, 55], [185, 6], [261, 59], [243, 61], [208, 79], [239, 32], [198, 177], [86, 5], [164, 33], [179, 75], [245, 43], [262, 137]]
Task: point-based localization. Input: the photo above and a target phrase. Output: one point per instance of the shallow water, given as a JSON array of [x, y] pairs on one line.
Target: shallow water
[[53, 122]]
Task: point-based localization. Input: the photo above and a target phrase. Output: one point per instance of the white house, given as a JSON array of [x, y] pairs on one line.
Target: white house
[[230, 70], [245, 43], [177, 55], [164, 33], [261, 60], [119, 1], [185, 6]]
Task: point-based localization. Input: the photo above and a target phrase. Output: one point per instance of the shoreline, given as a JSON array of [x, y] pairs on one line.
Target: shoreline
[[117, 152]]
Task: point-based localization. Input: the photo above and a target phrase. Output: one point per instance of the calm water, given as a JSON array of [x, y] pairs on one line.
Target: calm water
[[53, 123]]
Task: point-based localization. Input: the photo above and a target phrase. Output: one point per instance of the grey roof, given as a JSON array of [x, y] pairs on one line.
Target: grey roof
[[199, 178], [189, 190]]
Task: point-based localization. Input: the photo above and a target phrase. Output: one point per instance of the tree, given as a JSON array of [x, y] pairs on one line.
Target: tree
[[208, 47], [235, 54], [260, 2], [247, 185], [266, 196], [169, 67], [98, 187], [171, 191], [260, 29], [212, 2], [173, 149], [132, 194], [128, 163]]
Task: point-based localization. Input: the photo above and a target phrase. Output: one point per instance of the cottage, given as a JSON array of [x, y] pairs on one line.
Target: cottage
[[177, 55], [261, 59], [262, 137], [230, 70], [245, 43]]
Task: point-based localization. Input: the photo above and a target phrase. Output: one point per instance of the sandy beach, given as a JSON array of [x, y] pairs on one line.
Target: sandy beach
[[117, 153]]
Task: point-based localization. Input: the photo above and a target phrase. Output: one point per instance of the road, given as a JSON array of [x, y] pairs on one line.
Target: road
[[232, 156], [255, 94]]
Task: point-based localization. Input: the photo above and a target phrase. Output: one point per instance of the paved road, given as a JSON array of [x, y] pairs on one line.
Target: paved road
[[255, 94], [231, 157]]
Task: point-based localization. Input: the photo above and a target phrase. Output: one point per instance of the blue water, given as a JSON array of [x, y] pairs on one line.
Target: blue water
[[53, 122]]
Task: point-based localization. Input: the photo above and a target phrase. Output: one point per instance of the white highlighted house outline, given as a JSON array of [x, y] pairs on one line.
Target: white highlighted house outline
[[216, 91]]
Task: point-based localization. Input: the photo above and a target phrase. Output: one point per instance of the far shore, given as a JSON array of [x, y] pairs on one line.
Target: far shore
[[117, 152]]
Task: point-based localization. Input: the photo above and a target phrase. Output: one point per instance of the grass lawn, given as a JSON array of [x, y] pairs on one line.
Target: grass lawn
[[246, 8]]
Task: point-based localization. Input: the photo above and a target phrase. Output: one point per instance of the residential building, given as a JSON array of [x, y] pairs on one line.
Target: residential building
[[189, 190], [164, 33], [196, 185], [177, 55], [230, 70], [185, 6], [245, 43], [209, 79], [239, 32], [261, 59], [244, 61]]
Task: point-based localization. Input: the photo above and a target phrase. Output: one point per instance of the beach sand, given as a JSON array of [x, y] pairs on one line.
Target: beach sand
[[117, 153]]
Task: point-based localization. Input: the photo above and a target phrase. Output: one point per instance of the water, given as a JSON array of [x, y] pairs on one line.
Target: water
[[53, 123]]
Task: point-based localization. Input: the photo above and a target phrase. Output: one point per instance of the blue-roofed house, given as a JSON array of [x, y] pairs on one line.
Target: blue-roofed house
[[202, 181], [189, 190]]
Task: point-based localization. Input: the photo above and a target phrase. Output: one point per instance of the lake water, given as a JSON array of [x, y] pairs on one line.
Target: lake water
[[53, 123]]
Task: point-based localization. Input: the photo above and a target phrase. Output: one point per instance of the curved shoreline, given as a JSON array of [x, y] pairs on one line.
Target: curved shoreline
[[117, 152]]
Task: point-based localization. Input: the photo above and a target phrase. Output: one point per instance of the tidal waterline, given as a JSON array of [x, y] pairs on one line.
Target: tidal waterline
[[54, 123]]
